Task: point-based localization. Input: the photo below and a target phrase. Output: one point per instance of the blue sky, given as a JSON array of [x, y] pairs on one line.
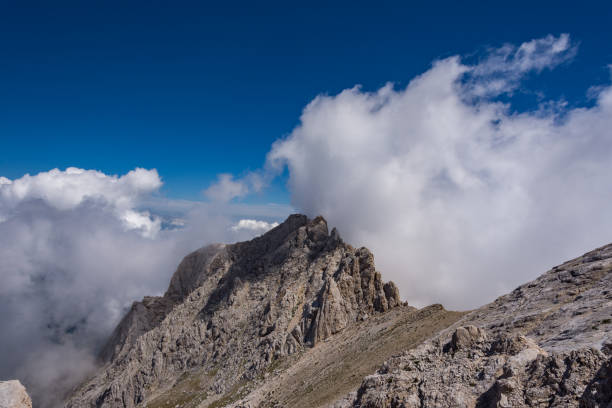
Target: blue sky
[[194, 89]]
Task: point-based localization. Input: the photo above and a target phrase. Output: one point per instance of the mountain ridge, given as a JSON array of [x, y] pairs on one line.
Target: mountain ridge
[[230, 311], [298, 318]]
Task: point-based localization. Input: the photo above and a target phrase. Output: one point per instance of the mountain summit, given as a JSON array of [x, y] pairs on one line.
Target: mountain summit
[[233, 311]]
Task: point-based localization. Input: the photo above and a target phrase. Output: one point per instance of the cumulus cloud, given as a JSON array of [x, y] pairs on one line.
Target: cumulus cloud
[[77, 248], [65, 190], [226, 189], [459, 199], [257, 226]]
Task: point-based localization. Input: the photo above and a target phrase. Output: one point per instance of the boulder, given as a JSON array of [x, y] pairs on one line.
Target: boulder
[[13, 395]]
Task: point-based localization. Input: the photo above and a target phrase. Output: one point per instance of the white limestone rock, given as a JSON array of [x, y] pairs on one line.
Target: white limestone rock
[[13, 395]]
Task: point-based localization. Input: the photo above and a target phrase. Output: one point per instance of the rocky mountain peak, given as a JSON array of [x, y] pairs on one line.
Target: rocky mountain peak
[[232, 311], [297, 317]]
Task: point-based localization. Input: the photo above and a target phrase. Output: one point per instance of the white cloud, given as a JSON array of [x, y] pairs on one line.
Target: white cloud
[[460, 201], [256, 226], [502, 69], [226, 189], [142, 221], [535, 55], [65, 190]]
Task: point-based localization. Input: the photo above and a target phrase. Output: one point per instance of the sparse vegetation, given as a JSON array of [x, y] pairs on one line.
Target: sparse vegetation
[[274, 365], [238, 391], [336, 367], [188, 392]]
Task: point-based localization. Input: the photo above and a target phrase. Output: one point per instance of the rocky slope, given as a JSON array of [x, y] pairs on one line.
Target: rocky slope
[[232, 313], [13, 395], [546, 344], [321, 375]]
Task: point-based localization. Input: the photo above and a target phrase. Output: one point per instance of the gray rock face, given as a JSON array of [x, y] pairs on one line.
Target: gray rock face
[[546, 344], [231, 311], [505, 371], [14, 395]]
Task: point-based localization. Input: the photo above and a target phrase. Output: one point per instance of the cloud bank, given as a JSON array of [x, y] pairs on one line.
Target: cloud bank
[[66, 190], [460, 199], [76, 249]]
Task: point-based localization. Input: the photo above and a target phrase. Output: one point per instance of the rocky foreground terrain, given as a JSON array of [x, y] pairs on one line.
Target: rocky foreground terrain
[[298, 318], [546, 344]]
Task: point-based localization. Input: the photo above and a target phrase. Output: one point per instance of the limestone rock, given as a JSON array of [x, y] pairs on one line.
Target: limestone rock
[[14, 395], [546, 344], [466, 337], [232, 311]]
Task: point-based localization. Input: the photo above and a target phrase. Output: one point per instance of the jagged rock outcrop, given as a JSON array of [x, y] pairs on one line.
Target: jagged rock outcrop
[[546, 344], [501, 371], [13, 395], [232, 311]]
